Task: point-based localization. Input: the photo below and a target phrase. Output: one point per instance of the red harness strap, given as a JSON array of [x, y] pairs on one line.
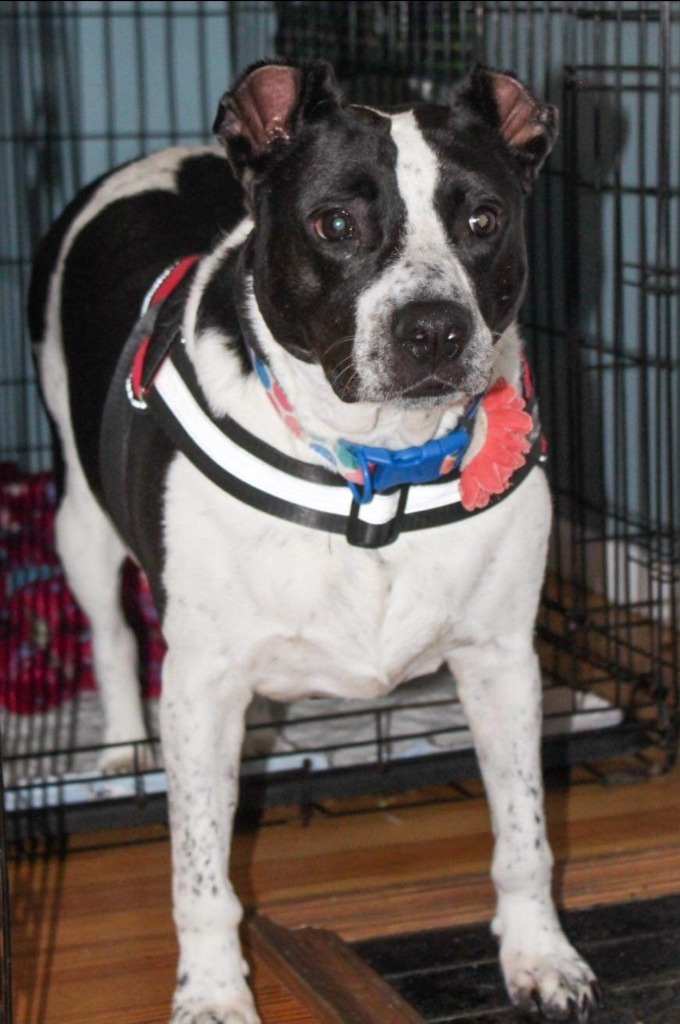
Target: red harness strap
[[167, 285]]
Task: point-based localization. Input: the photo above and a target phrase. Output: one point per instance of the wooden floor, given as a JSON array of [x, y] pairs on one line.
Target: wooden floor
[[93, 940]]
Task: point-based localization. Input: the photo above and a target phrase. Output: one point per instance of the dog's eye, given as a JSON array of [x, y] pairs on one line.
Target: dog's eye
[[334, 226], [483, 221]]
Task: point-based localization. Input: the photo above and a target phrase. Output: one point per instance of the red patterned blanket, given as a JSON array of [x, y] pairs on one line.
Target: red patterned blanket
[[45, 655]]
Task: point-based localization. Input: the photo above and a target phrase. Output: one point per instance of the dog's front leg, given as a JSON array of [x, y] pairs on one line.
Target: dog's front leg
[[499, 686], [202, 722]]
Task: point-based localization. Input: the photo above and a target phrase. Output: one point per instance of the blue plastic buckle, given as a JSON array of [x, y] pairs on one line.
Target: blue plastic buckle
[[384, 469]]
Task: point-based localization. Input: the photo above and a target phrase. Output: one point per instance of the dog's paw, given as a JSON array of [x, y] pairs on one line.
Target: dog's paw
[[237, 1008], [560, 985]]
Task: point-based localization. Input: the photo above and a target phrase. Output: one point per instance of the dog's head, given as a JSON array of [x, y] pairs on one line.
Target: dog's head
[[389, 246]]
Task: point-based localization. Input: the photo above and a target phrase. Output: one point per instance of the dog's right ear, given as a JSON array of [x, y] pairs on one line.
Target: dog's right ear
[[266, 108], [527, 126]]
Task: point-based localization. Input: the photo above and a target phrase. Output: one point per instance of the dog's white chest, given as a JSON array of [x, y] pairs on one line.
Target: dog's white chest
[[351, 623], [296, 611]]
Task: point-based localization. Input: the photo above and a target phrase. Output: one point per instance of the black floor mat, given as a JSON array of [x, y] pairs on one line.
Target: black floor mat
[[452, 974]]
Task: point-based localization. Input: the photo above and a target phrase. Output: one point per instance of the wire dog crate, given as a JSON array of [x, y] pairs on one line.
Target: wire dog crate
[[89, 84]]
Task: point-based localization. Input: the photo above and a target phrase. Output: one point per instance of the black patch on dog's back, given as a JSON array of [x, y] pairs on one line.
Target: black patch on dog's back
[[110, 267], [44, 262], [46, 257], [207, 181]]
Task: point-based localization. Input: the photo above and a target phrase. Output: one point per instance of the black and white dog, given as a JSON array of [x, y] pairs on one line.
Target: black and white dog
[[320, 443]]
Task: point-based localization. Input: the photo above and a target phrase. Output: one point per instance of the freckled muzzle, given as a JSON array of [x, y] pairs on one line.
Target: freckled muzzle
[[420, 346], [423, 350]]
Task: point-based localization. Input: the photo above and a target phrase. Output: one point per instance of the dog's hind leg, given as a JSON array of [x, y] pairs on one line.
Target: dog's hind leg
[[93, 556], [500, 688], [202, 724]]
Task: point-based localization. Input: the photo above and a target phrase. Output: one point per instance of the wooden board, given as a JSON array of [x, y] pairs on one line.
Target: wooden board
[[327, 977]]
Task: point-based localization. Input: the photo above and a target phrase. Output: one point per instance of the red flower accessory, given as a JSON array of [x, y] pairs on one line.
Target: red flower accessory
[[504, 449]]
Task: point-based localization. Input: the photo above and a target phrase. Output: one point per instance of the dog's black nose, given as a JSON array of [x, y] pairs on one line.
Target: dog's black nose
[[432, 332]]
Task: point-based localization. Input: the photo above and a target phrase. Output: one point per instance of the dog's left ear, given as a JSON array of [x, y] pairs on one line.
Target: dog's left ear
[[266, 108], [527, 126]]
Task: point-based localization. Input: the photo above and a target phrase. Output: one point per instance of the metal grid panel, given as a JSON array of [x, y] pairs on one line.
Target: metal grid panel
[[86, 85], [607, 327], [5, 918], [601, 318]]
